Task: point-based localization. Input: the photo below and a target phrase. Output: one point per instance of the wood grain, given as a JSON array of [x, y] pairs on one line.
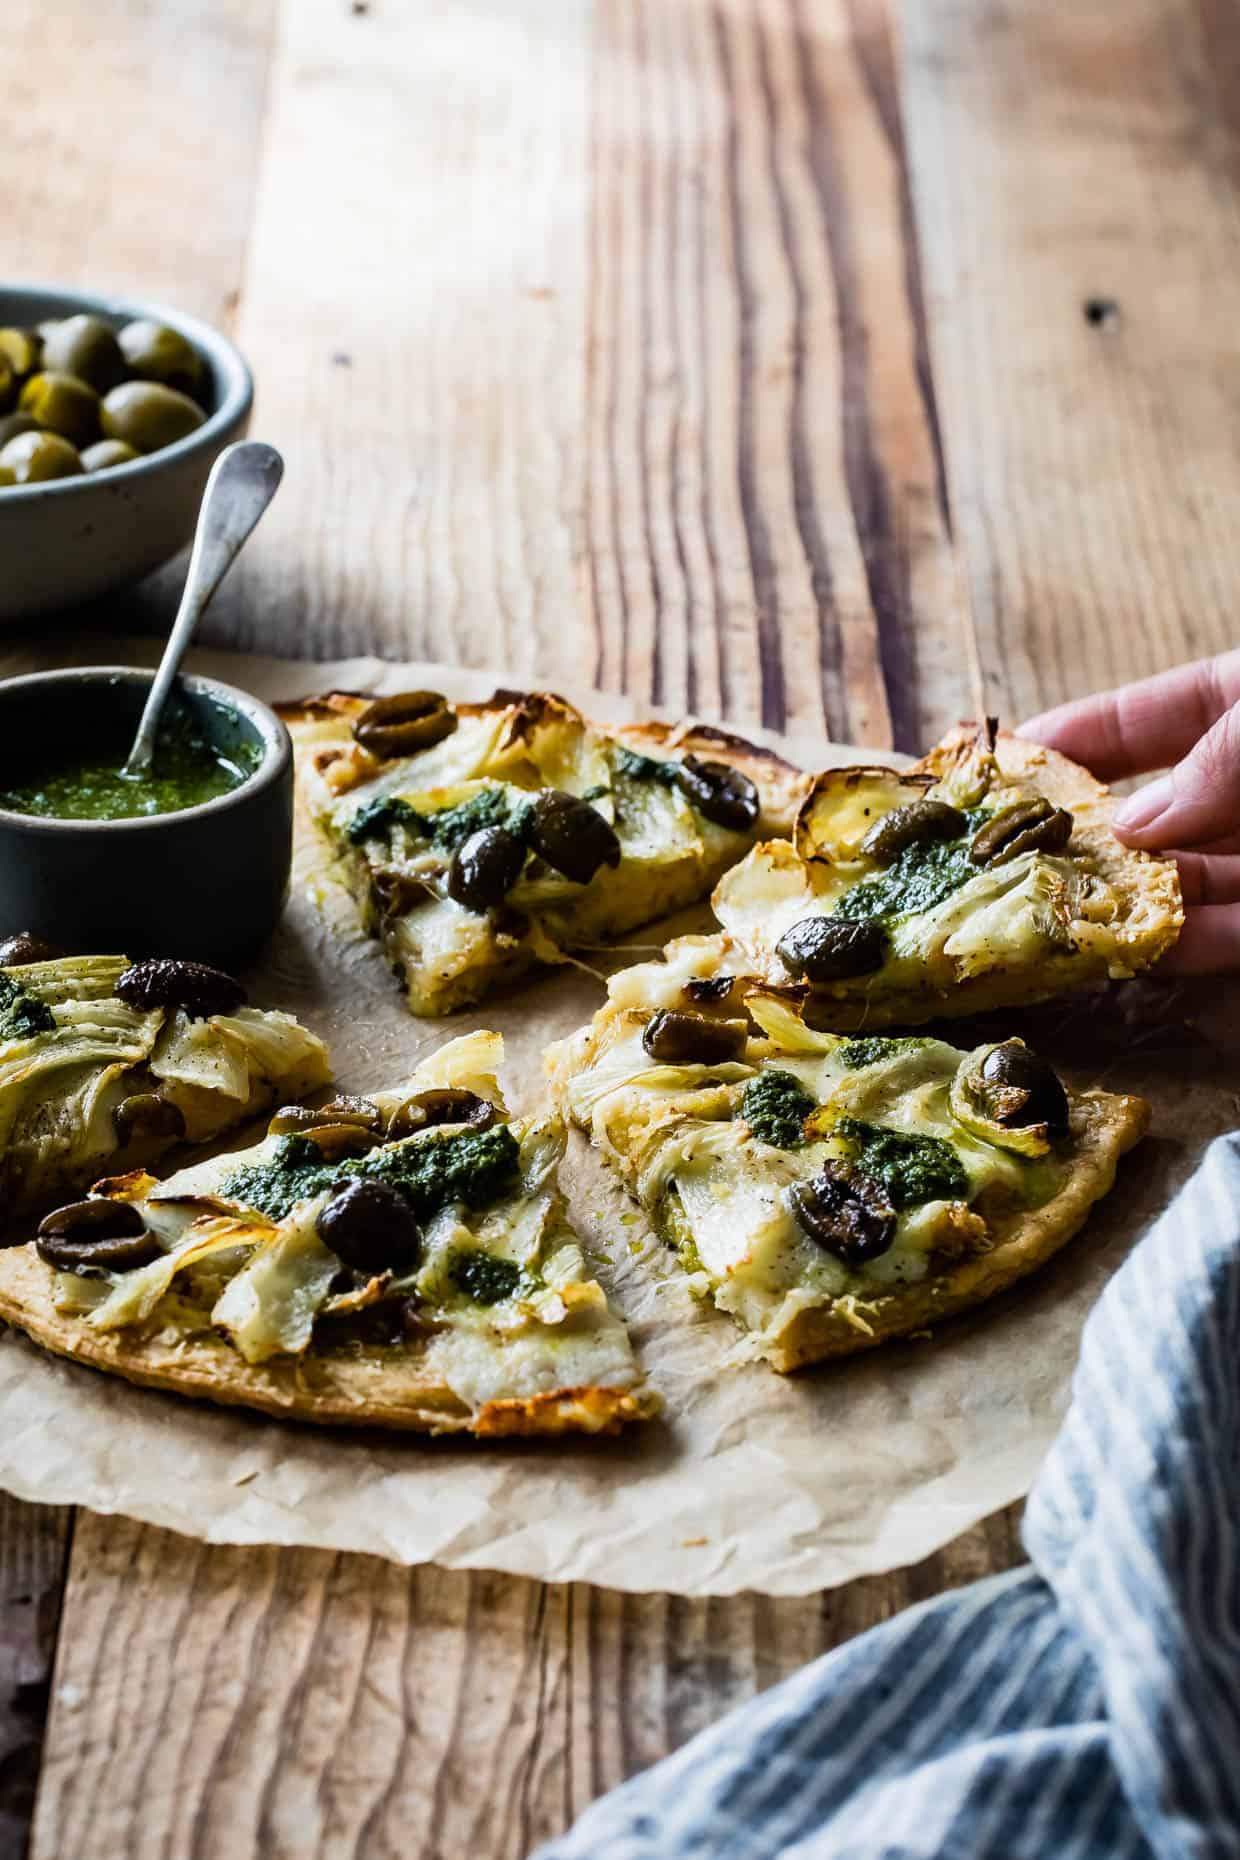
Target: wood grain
[[214, 1703], [1076, 173], [34, 1547], [627, 383]]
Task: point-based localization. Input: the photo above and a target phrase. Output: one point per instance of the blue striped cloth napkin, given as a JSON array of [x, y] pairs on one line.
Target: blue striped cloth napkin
[[1086, 1706]]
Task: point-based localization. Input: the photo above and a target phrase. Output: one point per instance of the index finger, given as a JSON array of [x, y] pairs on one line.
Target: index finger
[[1147, 725]]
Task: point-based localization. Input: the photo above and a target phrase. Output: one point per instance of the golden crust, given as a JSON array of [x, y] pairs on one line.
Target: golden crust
[[1104, 1126], [382, 1390]]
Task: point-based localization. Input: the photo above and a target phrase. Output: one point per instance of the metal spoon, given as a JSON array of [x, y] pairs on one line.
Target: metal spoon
[[243, 481]]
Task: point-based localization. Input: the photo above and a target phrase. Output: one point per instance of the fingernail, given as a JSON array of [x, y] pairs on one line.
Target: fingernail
[[1143, 808]]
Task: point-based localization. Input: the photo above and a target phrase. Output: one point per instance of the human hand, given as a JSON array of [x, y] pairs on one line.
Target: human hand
[[1187, 720]]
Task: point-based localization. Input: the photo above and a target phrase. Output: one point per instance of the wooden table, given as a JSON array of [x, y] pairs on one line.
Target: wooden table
[[723, 353]]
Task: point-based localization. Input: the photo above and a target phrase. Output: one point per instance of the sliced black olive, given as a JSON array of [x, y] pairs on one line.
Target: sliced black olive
[[846, 1212], [708, 987], [720, 793], [404, 723], [147, 1118], [300, 1120], [107, 1235], [371, 1227], [677, 1039], [571, 835], [831, 949], [485, 867], [24, 947], [1020, 1088], [447, 1105], [160, 982], [1026, 826], [905, 826]]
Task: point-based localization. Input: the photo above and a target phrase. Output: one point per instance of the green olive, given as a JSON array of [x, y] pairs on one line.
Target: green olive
[[8, 382], [63, 404], [11, 424], [108, 452], [22, 349], [85, 346], [148, 416], [7, 477], [35, 457], [674, 1037], [155, 352]]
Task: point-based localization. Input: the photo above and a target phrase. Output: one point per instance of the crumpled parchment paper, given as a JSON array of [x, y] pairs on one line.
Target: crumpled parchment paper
[[751, 1480]]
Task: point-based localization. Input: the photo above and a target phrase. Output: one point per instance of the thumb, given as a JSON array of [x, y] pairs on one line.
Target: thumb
[[1198, 802]]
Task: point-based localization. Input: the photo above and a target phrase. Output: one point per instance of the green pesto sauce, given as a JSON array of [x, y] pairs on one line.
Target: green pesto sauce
[[474, 1166], [911, 1169], [447, 829], [917, 879], [775, 1105], [874, 1047], [70, 784], [646, 768], [22, 1014], [483, 1277]]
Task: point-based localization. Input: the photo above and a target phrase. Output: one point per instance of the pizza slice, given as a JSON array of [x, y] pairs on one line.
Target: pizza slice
[[985, 876], [403, 1260], [831, 1192], [106, 1064], [480, 839]]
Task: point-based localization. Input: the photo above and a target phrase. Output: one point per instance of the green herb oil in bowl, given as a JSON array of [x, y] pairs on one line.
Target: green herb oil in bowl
[[70, 784]]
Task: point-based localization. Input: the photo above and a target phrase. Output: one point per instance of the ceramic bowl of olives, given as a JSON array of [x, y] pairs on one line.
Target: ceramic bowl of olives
[[112, 413], [193, 855]]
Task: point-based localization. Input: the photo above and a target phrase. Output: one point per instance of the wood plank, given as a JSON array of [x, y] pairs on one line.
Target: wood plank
[[668, 429], [1077, 174], [34, 1547], [132, 131], [220, 1703]]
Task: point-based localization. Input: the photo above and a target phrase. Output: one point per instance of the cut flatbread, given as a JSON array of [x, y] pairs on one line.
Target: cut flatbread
[[986, 876], [831, 1193], [518, 830], [402, 1261], [106, 1064]]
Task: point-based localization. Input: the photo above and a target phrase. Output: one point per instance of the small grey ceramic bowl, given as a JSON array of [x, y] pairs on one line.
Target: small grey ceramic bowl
[[73, 539], [207, 883]]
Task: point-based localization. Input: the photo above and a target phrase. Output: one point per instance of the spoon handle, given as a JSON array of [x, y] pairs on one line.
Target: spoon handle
[[243, 481]]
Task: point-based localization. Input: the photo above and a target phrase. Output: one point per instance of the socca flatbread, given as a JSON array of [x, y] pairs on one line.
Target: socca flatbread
[[402, 1261], [828, 1192], [518, 830], [987, 876]]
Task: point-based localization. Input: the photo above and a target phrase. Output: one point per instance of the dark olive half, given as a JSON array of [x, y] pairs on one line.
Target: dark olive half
[[720, 793], [679, 1039], [147, 1118], [846, 1212], [371, 1227], [402, 724], [107, 1235], [23, 948], [1019, 1089], [485, 867], [1027, 826], [571, 836], [832, 949], [907, 825], [160, 982], [447, 1105], [708, 987]]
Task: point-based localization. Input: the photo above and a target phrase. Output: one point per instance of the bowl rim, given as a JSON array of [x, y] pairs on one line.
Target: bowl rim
[[235, 403], [272, 769]]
